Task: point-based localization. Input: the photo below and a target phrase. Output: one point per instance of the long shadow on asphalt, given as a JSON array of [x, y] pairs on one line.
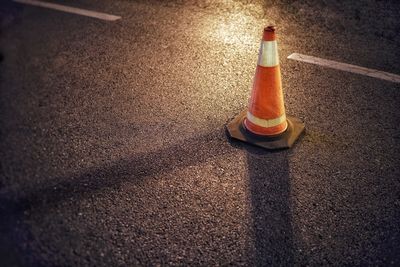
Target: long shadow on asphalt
[[269, 185], [79, 186], [132, 169]]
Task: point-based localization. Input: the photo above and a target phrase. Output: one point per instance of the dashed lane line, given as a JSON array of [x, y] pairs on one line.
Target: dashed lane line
[[68, 9], [346, 67]]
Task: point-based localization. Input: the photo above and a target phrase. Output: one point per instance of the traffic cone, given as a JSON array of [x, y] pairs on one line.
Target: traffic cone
[[265, 123]]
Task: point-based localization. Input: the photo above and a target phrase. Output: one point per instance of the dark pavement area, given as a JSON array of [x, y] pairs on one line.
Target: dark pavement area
[[114, 152]]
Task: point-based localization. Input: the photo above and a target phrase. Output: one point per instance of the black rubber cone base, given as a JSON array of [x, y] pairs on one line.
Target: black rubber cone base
[[237, 130]]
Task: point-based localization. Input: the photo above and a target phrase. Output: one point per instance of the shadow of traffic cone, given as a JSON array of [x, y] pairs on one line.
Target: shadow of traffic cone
[[265, 123]]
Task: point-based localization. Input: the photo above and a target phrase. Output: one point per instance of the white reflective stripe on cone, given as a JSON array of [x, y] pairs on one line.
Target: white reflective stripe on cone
[[266, 123], [268, 55]]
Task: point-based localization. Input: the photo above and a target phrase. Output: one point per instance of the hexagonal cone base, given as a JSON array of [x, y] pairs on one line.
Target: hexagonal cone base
[[237, 130]]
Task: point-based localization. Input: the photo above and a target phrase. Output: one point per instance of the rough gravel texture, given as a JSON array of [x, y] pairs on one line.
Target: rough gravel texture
[[113, 147]]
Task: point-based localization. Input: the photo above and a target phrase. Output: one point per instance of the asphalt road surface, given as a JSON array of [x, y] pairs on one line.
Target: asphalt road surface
[[114, 150]]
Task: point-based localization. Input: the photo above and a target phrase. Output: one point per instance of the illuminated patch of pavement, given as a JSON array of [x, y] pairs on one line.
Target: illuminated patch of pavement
[[114, 151]]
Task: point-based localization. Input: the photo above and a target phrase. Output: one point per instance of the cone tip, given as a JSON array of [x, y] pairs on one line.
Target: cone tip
[[270, 28], [269, 33]]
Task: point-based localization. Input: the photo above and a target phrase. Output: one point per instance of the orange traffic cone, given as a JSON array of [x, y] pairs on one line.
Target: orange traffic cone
[[265, 123]]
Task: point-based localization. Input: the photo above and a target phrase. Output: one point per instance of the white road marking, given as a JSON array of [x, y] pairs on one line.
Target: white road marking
[[346, 67], [74, 10]]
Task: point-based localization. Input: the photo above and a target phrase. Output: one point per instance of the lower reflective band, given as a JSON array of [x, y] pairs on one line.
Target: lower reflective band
[[266, 123]]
